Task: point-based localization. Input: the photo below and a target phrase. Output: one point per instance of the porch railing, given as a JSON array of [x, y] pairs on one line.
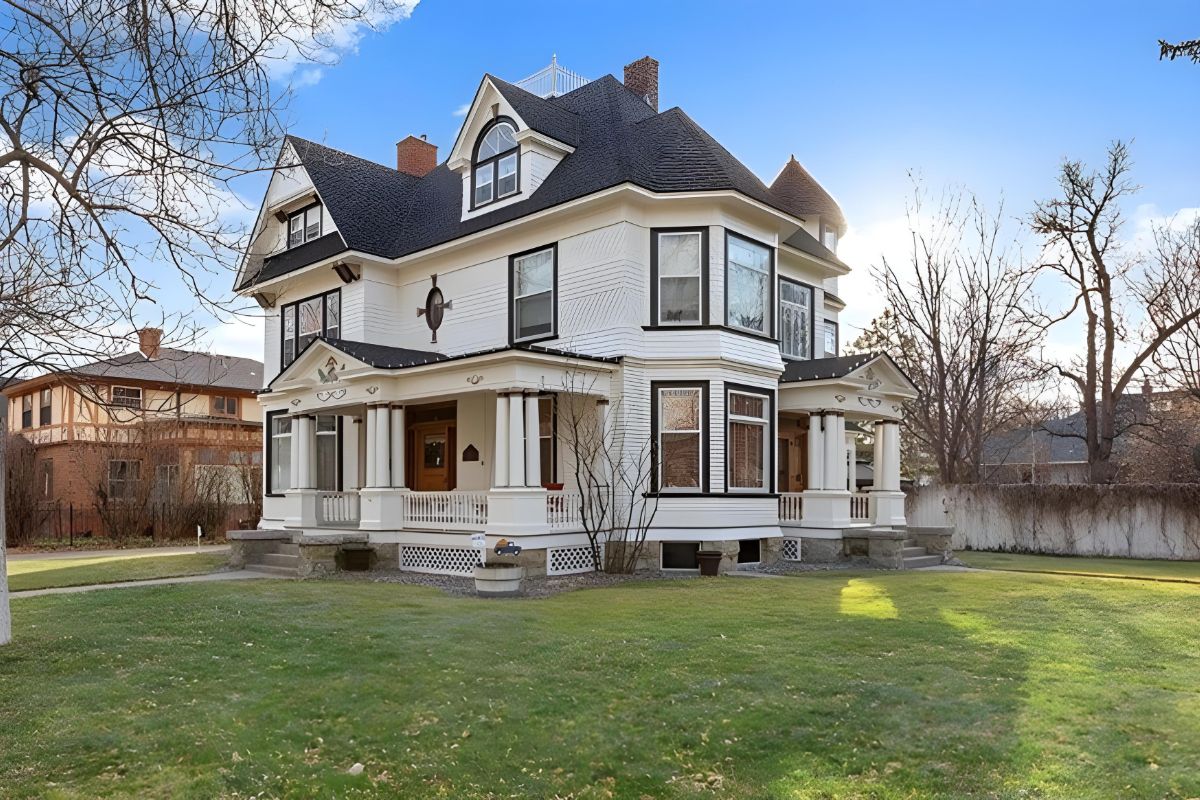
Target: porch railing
[[791, 506], [860, 506], [564, 509], [447, 511], [337, 508]]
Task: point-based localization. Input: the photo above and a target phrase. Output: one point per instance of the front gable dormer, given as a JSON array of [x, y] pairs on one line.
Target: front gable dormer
[[502, 154]]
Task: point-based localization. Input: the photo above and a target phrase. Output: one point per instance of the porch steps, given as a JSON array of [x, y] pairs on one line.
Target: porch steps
[[257, 567], [283, 560], [916, 557]]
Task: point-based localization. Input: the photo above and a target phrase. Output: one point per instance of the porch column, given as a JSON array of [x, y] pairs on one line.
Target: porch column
[[834, 459], [880, 457], [533, 445], [603, 421], [886, 494], [816, 452], [516, 427], [398, 478], [372, 427], [851, 464], [500, 455], [383, 447], [893, 451], [294, 444]]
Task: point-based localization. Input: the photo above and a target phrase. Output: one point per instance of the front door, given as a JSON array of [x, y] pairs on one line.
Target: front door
[[433, 456]]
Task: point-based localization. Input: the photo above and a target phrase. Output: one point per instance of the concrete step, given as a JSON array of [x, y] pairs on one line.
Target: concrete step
[[288, 571], [922, 561], [276, 560], [909, 542], [287, 548], [912, 551]]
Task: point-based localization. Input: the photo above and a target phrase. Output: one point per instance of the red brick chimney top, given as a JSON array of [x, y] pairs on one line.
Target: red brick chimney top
[[641, 77], [416, 156], [149, 340]]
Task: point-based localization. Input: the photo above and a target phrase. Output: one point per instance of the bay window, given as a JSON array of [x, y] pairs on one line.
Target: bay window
[[678, 420], [749, 278], [795, 320], [279, 452], [747, 439], [678, 276], [533, 281], [494, 172], [305, 320]]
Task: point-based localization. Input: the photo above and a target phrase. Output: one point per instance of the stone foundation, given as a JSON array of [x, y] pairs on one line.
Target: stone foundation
[[244, 545], [319, 552], [935, 540], [821, 551], [885, 547]]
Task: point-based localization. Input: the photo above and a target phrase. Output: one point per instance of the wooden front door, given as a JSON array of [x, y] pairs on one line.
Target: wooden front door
[[433, 456]]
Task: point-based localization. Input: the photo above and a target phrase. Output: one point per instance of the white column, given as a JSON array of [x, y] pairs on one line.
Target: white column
[[833, 456], [294, 444], [533, 445], [851, 464], [306, 432], [372, 426], [880, 456], [516, 429], [816, 452], [383, 447], [360, 431], [500, 453], [398, 433], [893, 456]]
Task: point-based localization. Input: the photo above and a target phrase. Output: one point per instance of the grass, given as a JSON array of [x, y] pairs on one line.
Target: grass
[[1079, 565], [882, 686], [44, 573]]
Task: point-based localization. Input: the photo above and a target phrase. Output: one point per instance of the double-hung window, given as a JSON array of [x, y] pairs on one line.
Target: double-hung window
[[678, 271], [496, 164], [26, 411], [124, 475], [127, 396], [831, 338], [44, 407], [305, 320], [279, 452], [679, 439], [749, 276], [747, 439], [533, 285], [225, 406], [795, 320], [304, 225]]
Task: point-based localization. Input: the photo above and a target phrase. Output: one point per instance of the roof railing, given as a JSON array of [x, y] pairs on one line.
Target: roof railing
[[552, 81]]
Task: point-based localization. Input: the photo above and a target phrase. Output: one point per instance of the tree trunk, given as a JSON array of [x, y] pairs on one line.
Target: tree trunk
[[5, 611]]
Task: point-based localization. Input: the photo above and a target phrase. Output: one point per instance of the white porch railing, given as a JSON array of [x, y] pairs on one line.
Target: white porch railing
[[337, 508], [447, 511], [564, 510], [791, 506], [860, 506]]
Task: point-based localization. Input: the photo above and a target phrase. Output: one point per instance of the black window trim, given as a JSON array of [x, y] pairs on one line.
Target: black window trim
[[296, 331], [773, 273], [655, 322], [287, 231], [837, 337], [812, 320], [769, 444], [494, 162], [705, 437], [512, 297]]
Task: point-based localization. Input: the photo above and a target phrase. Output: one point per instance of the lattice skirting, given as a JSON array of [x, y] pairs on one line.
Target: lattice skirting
[[791, 550], [569, 560], [439, 560]]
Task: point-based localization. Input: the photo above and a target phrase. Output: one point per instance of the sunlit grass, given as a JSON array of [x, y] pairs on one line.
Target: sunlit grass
[[1080, 565], [43, 573], [864, 598]]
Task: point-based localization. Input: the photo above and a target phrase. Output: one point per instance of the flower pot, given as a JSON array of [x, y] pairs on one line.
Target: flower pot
[[498, 580], [710, 562]]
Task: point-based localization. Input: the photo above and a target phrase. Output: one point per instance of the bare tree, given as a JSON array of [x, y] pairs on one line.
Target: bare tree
[[1137, 302], [613, 472], [1170, 52], [123, 126], [954, 323]]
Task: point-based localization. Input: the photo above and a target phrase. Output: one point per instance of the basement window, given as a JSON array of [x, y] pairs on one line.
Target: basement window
[[680, 555]]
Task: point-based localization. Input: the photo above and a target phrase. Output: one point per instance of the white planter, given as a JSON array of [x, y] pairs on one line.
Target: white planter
[[498, 581]]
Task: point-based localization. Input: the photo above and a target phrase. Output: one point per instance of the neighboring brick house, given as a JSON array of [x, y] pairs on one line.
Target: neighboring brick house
[[140, 426]]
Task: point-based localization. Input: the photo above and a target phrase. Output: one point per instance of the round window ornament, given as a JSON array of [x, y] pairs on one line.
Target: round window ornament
[[434, 310]]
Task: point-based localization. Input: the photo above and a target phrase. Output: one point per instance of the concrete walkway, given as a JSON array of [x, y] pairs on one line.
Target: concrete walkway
[[232, 575], [132, 552]]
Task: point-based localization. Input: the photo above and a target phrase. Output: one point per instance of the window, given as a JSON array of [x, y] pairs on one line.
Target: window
[[127, 396], [304, 225], [747, 439], [829, 237], [748, 279], [680, 555], [27, 411], [166, 481], [124, 475], [279, 452], [547, 440], [679, 413], [532, 283], [795, 319], [328, 448], [678, 276], [831, 338], [305, 320], [225, 406], [44, 407], [495, 173]]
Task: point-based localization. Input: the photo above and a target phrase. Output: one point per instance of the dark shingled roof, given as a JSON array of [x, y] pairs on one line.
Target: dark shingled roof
[[617, 138], [802, 195], [181, 367], [382, 356], [805, 242], [817, 369]]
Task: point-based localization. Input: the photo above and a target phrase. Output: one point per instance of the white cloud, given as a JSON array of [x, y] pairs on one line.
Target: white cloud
[[864, 247], [240, 336], [462, 110]]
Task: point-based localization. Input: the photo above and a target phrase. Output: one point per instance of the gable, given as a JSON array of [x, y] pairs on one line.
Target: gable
[[320, 366]]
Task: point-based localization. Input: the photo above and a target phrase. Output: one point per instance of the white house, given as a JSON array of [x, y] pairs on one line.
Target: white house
[[429, 325]]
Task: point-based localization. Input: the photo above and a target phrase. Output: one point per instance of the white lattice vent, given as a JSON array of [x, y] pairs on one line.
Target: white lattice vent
[[439, 560], [569, 560], [791, 550]]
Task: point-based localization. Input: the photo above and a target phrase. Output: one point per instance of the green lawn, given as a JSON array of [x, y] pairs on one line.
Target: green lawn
[[1115, 567], [835, 685], [43, 573]]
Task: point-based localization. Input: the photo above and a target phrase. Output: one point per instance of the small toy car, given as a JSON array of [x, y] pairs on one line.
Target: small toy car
[[506, 548]]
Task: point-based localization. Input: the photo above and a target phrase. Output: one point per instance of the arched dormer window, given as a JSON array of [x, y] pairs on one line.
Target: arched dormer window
[[494, 171]]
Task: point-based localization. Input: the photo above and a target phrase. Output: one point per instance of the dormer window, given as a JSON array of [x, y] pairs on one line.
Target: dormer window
[[495, 168], [304, 225], [829, 237]]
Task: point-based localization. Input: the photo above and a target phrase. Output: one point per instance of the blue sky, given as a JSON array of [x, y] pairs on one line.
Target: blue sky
[[990, 96]]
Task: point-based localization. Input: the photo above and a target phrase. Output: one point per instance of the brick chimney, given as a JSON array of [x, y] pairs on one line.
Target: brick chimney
[[416, 156], [148, 341], [642, 78]]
